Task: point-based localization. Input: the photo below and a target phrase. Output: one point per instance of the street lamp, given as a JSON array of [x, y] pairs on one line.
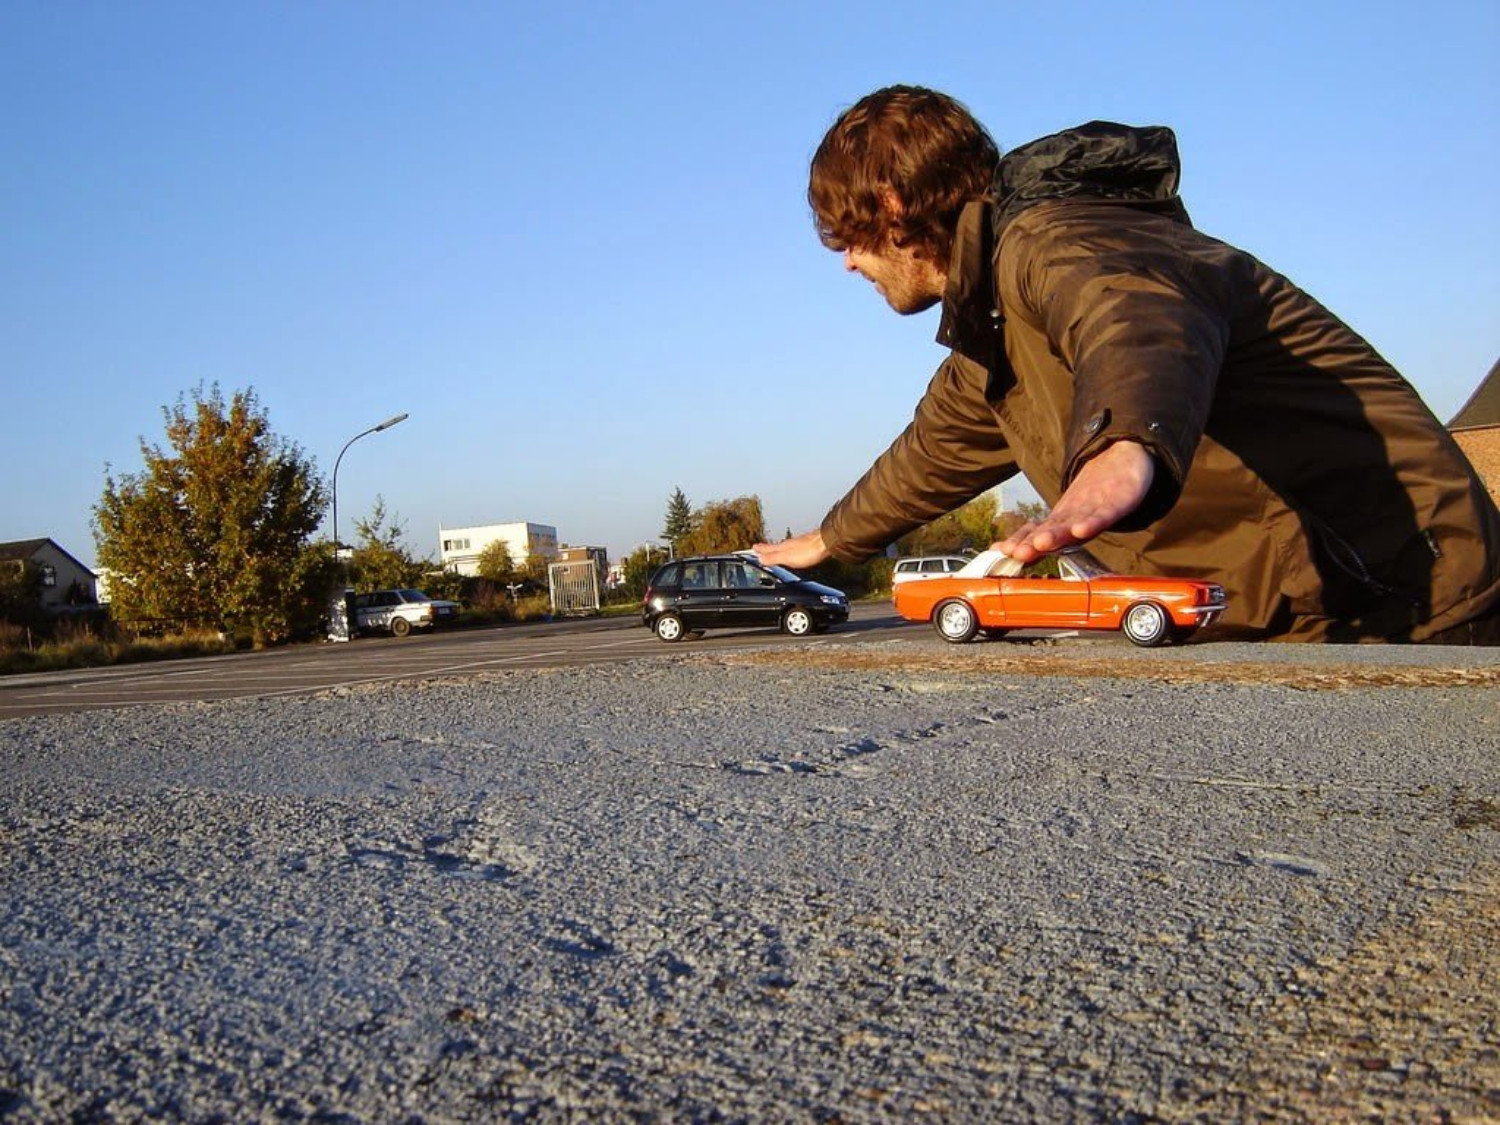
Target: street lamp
[[387, 424]]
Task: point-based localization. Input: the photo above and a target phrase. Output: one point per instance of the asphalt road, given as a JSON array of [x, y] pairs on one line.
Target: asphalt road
[[863, 878], [372, 659]]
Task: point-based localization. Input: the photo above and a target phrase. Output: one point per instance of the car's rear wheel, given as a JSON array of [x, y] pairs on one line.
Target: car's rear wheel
[[1146, 624], [797, 621], [400, 626], [669, 627], [955, 622]]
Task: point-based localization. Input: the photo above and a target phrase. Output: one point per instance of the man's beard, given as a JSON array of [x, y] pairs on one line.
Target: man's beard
[[909, 304]]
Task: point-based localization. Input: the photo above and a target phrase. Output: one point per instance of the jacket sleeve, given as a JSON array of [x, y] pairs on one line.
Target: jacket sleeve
[[1140, 322], [951, 452]]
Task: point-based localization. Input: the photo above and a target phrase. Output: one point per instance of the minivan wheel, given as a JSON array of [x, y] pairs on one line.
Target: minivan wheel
[[400, 626], [798, 622], [669, 627], [954, 621], [1146, 624]]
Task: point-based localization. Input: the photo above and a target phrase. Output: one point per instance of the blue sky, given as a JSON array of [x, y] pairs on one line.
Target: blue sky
[[572, 240]]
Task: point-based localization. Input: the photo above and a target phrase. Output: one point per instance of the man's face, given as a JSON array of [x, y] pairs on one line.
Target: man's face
[[909, 284]]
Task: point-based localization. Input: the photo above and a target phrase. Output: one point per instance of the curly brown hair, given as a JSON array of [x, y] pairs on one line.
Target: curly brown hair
[[924, 146]]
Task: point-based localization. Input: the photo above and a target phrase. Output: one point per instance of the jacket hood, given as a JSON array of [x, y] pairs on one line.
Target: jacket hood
[[1100, 160]]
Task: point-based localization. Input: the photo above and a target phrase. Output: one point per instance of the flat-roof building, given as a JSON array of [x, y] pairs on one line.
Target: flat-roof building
[[460, 547]]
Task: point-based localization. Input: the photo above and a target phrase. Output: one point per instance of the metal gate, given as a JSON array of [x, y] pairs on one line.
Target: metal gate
[[574, 586]]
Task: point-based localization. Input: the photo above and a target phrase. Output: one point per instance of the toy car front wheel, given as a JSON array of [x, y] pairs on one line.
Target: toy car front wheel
[[669, 627], [955, 622], [1146, 624], [798, 622], [400, 626]]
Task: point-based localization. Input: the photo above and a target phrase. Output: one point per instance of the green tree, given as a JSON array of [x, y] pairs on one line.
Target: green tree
[[725, 525], [680, 521], [495, 563], [214, 530], [20, 594], [969, 528], [638, 568], [381, 560], [534, 569]]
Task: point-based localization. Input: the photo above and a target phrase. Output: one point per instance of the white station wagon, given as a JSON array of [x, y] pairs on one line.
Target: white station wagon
[[400, 611], [926, 566]]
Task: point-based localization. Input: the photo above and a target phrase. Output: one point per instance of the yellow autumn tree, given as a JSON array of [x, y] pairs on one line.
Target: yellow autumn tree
[[215, 529]]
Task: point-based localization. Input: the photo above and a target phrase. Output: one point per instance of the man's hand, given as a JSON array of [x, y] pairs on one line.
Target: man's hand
[[802, 550], [1108, 488]]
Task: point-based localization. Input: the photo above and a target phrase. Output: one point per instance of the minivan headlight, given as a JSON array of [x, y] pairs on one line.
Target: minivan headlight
[[830, 599]]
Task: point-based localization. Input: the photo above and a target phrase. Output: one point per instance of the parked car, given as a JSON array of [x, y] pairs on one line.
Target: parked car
[[926, 566], [690, 595], [1070, 590], [400, 611]]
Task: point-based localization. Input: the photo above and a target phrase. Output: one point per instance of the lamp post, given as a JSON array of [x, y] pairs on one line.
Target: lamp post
[[387, 424]]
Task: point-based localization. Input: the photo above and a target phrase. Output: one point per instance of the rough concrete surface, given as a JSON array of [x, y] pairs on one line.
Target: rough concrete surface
[[870, 884]]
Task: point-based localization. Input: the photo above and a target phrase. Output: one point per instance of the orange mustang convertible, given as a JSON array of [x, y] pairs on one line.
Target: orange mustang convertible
[[1070, 590]]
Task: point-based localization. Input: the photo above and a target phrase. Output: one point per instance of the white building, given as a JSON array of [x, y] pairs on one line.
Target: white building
[[61, 580], [460, 547]]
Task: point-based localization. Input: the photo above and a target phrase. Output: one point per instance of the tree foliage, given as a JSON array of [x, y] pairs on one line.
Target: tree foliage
[[725, 525], [680, 520], [214, 530], [20, 594], [969, 528], [638, 568], [381, 559], [495, 563]]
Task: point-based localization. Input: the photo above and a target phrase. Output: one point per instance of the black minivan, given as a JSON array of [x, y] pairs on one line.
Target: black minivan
[[687, 596]]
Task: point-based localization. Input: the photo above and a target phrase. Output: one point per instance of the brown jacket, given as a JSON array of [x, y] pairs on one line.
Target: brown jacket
[[1294, 465]]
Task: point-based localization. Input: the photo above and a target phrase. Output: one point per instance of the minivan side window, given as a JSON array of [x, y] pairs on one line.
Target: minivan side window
[[745, 576], [699, 576], [670, 575]]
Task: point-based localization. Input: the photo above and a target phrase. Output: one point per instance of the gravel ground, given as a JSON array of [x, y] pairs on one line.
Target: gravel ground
[[874, 884]]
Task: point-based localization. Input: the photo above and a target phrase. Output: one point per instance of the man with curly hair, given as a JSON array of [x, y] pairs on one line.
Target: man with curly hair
[[1181, 407]]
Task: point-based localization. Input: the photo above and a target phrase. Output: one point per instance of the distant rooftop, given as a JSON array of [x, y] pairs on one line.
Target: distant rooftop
[[20, 549], [1483, 407]]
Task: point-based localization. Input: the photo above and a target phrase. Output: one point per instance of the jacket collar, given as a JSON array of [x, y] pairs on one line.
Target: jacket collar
[[971, 324], [1100, 160]]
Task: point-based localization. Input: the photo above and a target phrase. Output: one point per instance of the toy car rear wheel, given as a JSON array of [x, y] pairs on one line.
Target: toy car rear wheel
[[400, 626], [668, 627], [1147, 625], [954, 621], [797, 621]]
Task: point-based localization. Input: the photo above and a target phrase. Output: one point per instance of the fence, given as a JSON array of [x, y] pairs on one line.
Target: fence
[[574, 586]]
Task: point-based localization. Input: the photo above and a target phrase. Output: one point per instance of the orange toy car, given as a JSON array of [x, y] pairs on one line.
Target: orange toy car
[[1070, 590]]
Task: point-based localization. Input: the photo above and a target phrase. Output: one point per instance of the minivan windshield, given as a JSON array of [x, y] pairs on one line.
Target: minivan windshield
[[784, 574]]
